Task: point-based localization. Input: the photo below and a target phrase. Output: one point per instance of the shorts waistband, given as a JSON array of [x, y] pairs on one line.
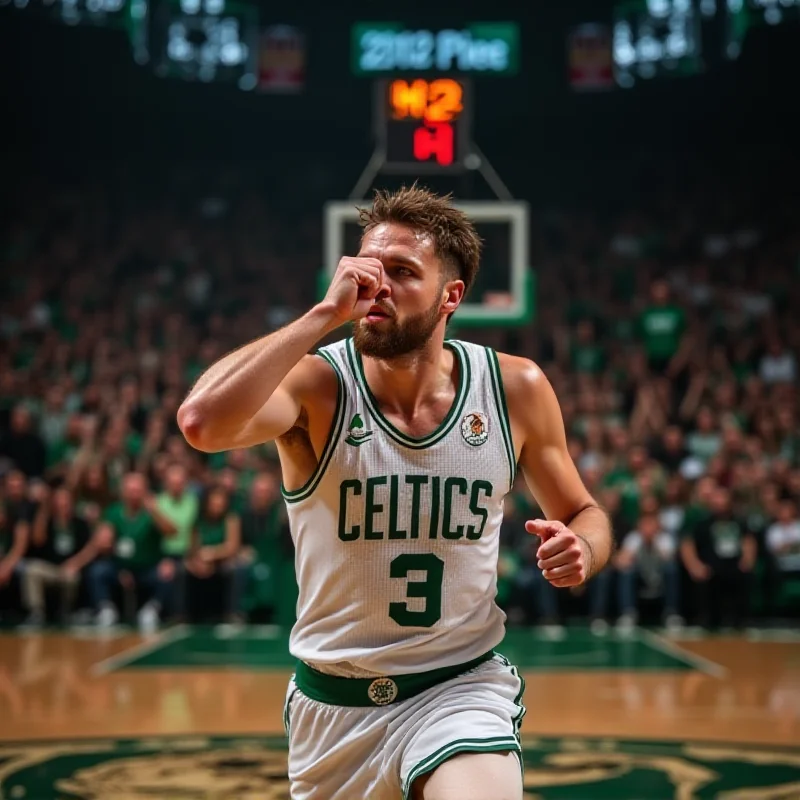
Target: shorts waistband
[[380, 691]]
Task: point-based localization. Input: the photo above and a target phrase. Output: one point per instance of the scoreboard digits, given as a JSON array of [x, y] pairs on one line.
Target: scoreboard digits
[[434, 101], [424, 123]]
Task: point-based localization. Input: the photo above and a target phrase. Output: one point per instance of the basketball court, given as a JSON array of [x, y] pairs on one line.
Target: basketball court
[[197, 712]]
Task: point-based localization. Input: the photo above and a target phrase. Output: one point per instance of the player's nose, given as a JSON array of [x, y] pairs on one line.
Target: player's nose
[[384, 292]]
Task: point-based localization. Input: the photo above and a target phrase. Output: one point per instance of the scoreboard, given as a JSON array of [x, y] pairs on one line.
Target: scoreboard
[[423, 88], [198, 40], [661, 38], [486, 48], [423, 124], [656, 37]]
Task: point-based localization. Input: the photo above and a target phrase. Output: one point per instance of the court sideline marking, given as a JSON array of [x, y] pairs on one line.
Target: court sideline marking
[[658, 642], [160, 640]]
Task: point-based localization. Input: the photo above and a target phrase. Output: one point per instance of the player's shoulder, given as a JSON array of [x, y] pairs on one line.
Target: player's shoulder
[[514, 369], [521, 376], [529, 396], [314, 377]]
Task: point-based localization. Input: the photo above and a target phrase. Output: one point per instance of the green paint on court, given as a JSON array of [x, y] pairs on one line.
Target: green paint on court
[[253, 648], [226, 768]]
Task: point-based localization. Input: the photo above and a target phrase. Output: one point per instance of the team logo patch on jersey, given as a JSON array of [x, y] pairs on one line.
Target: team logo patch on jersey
[[356, 434], [382, 691], [475, 428]]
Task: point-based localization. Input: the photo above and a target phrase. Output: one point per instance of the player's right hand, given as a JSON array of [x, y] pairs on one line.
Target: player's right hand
[[355, 285]]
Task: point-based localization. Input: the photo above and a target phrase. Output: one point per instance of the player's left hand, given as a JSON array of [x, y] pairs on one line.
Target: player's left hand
[[563, 556]]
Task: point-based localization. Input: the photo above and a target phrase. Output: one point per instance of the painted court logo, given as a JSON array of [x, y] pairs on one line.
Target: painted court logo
[[356, 435], [475, 428], [254, 768]]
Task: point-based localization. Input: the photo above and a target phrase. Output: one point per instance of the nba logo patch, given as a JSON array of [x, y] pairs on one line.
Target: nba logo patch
[[475, 428]]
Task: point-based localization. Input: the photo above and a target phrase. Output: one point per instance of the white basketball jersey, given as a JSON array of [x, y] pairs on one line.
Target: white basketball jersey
[[396, 538]]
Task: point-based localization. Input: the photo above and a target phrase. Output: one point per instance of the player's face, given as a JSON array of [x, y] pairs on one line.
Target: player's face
[[411, 302]]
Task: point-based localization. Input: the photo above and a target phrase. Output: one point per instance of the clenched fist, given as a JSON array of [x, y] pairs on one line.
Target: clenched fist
[[355, 285], [564, 558]]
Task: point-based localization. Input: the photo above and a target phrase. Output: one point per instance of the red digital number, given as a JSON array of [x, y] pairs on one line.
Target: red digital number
[[434, 140]]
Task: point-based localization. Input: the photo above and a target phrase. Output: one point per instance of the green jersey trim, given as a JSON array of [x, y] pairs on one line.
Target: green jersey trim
[[311, 484], [357, 366], [502, 411]]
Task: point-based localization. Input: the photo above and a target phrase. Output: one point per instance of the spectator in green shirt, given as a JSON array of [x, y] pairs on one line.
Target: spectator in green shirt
[[630, 481], [699, 508], [705, 440], [661, 328], [137, 555], [216, 540], [262, 551], [586, 354], [179, 505]]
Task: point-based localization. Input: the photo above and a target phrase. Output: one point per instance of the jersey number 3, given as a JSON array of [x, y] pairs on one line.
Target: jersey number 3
[[430, 589]]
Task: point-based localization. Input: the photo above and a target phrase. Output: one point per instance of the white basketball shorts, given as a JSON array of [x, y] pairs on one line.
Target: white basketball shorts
[[339, 752]]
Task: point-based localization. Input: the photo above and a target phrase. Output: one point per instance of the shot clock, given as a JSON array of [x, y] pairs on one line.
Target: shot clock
[[423, 124]]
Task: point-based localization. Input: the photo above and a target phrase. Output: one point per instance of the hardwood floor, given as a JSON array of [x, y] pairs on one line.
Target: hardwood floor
[[604, 696]]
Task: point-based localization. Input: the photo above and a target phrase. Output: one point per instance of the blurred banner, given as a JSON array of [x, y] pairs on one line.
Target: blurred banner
[[282, 59], [591, 65]]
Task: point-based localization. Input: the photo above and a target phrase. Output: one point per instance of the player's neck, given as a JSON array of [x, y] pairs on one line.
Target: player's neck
[[405, 385]]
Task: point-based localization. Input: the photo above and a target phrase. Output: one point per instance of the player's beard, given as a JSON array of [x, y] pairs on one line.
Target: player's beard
[[395, 339]]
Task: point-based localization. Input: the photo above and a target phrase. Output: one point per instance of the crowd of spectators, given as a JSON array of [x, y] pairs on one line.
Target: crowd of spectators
[[671, 345]]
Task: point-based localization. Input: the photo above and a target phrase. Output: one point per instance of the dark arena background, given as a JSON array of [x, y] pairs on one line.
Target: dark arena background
[[180, 176]]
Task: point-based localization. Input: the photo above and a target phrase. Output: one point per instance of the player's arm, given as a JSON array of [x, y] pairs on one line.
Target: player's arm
[[576, 535], [257, 393]]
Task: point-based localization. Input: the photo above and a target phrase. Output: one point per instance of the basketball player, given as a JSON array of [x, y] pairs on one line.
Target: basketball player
[[397, 448]]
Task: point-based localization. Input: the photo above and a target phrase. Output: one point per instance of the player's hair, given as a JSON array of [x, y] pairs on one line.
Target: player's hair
[[455, 240]]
